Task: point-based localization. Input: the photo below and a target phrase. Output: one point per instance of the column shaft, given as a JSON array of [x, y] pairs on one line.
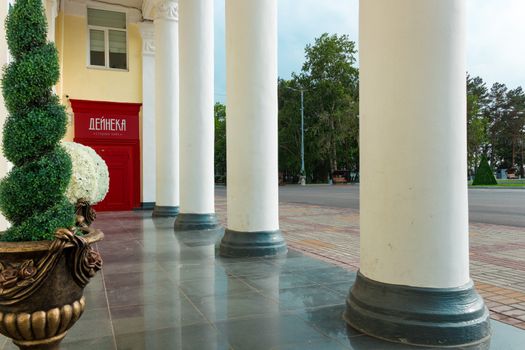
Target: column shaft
[[167, 108], [412, 93], [148, 116], [251, 128], [414, 209], [196, 116]]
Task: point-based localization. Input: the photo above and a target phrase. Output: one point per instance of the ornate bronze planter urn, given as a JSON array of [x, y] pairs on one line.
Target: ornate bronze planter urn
[[42, 285]]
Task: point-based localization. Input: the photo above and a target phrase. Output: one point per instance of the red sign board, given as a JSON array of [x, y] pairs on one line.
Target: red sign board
[[102, 120], [112, 130]]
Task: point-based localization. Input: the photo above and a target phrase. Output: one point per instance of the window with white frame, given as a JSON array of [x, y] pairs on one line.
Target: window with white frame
[[107, 39]]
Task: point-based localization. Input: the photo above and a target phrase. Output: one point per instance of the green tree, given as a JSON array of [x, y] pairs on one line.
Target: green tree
[[220, 142], [331, 83], [513, 126], [32, 195], [496, 113], [477, 123], [506, 126], [289, 127], [484, 174]]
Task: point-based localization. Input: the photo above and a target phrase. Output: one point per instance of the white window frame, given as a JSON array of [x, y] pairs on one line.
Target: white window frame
[[106, 42]]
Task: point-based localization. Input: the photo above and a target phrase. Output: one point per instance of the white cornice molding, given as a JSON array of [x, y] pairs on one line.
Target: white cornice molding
[[148, 9], [160, 9], [167, 9], [79, 8], [147, 31], [53, 4]]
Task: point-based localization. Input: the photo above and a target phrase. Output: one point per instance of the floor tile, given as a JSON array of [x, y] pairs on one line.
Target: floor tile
[[233, 306], [285, 280], [101, 343], [264, 333], [155, 316], [342, 288], [326, 344], [329, 275], [329, 321], [216, 286], [142, 295], [196, 337], [303, 298], [93, 324]]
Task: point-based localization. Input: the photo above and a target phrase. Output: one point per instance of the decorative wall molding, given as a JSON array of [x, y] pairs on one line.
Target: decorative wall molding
[[167, 9], [148, 9], [79, 8], [147, 31]]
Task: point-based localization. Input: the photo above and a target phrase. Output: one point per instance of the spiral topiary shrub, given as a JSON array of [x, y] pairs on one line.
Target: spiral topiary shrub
[[32, 194]]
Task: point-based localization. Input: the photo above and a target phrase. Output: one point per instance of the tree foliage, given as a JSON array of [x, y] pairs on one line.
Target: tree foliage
[[32, 194], [484, 174], [220, 143], [329, 78], [495, 125], [330, 81]]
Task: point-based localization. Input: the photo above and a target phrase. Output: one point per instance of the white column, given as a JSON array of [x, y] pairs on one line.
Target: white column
[[414, 212], [197, 194], [147, 31], [251, 47], [51, 7], [414, 285], [167, 108]]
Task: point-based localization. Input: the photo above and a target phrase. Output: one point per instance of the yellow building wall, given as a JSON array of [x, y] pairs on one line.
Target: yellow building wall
[[80, 82]]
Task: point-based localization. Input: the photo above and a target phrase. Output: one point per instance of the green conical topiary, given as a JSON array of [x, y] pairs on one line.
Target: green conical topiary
[[32, 195], [484, 175]]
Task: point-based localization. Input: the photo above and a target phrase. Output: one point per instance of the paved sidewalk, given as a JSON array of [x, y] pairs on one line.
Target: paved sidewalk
[[497, 253]]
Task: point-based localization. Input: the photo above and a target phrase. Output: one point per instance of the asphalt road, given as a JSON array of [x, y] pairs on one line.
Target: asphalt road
[[499, 206]]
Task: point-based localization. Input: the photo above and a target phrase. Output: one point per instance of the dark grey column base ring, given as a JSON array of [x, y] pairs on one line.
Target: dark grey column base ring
[[163, 211], [196, 222], [443, 317], [237, 244]]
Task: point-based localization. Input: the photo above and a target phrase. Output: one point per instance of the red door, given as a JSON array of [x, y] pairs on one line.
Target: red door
[[112, 130], [119, 160]]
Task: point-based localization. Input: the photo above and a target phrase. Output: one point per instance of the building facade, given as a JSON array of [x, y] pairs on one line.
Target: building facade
[[137, 79]]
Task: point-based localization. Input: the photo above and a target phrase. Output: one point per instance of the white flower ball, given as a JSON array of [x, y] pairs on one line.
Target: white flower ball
[[90, 175], [102, 174]]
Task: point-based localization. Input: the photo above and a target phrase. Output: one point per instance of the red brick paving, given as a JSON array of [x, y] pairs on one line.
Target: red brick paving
[[497, 253]]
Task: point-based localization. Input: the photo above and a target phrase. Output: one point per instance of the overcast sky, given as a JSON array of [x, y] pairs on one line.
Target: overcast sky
[[496, 36]]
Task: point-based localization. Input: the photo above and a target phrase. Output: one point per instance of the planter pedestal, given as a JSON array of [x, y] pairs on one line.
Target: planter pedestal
[[42, 286]]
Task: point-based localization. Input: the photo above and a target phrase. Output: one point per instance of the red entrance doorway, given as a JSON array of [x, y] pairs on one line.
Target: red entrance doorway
[[112, 130]]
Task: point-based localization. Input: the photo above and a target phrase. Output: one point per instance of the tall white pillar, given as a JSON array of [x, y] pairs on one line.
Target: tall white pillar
[[51, 7], [414, 283], [251, 129], [197, 193], [167, 108], [148, 175]]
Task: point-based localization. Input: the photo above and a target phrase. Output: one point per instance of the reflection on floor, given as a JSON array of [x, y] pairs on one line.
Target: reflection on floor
[[161, 290]]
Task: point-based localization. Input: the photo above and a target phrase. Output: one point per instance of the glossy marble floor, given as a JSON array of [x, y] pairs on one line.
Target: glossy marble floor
[[161, 290]]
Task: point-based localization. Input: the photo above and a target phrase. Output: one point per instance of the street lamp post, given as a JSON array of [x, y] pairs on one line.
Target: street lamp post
[[303, 174], [302, 177]]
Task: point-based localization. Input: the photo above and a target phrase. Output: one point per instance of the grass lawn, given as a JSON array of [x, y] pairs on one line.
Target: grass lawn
[[504, 183]]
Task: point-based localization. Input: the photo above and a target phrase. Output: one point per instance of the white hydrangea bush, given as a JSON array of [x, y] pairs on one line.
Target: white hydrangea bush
[[90, 174], [102, 175]]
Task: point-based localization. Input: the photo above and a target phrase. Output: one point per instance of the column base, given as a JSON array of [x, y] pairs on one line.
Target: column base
[[237, 244], [196, 222], [446, 317], [145, 206], [166, 212]]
